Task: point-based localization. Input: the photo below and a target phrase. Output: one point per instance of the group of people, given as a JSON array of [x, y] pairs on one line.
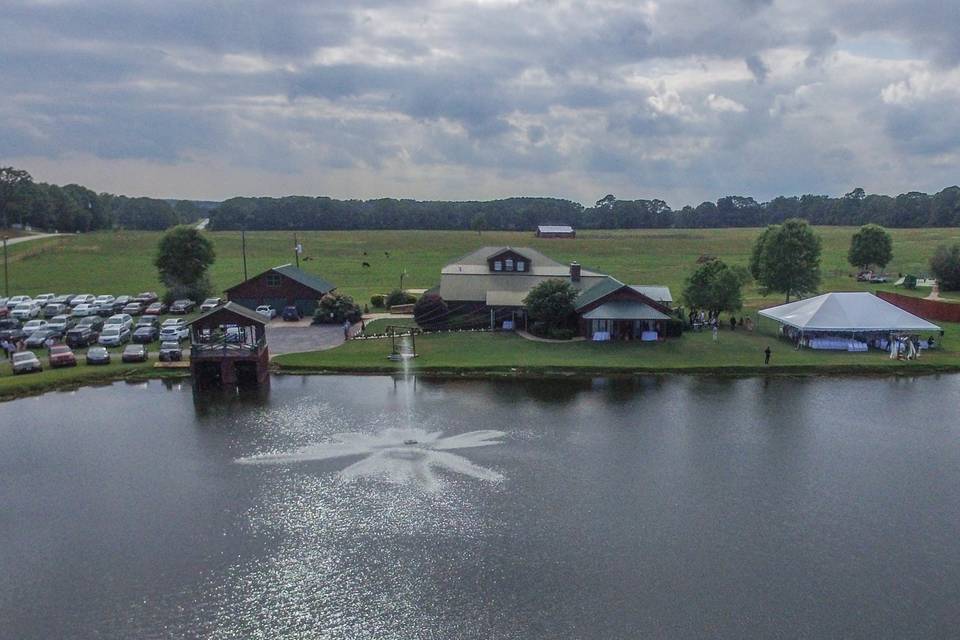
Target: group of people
[[10, 348], [699, 319]]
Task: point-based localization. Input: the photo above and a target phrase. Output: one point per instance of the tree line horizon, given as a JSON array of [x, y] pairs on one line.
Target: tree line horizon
[[76, 208]]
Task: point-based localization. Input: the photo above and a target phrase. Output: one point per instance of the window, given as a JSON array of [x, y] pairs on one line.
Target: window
[[498, 266], [521, 265], [273, 280], [509, 264]]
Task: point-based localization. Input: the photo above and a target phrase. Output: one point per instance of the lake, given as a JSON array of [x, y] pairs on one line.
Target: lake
[[373, 507]]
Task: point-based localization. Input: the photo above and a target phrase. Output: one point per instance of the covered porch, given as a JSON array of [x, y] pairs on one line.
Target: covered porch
[[624, 320]]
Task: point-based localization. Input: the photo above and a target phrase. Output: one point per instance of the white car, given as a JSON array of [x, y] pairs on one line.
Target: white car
[[210, 303], [44, 298], [119, 320], [104, 300], [83, 309], [25, 311], [34, 325], [83, 298], [267, 311], [174, 334], [15, 300], [114, 335]]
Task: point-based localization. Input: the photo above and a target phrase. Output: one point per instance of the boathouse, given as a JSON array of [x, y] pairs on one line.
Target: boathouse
[[279, 287], [229, 347]]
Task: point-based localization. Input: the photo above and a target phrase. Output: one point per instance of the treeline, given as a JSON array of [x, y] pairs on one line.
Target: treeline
[[853, 209], [76, 208]]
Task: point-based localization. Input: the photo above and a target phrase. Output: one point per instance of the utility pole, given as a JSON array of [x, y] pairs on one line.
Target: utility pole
[[6, 279], [243, 249], [296, 249]]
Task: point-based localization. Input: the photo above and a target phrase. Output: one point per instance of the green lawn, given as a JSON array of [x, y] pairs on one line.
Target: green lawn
[[735, 350], [121, 262], [380, 325]]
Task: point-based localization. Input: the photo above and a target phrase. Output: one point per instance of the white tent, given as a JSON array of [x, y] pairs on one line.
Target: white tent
[[847, 312]]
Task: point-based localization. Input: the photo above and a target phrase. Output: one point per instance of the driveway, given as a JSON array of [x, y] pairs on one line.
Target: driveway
[[293, 337], [38, 236]]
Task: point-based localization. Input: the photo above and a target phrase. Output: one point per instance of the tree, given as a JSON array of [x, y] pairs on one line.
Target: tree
[[945, 265], [479, 223], [335, 307], [786, 259], [551, 303], [715, 287], [12, 182], [431, 312], [871, 245], [183, 257]]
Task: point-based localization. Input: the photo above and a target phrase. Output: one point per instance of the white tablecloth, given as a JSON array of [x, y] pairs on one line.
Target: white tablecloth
[[601, 336], [649, 336]]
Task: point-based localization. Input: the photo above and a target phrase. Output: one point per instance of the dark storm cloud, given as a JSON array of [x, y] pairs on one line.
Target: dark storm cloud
[[681, 93]]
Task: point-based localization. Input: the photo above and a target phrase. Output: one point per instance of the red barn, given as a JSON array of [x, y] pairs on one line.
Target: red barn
[[280, 287]]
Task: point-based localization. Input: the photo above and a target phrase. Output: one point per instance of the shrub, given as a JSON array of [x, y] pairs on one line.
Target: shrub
[[431, 312], [551, 302], [376, 300], [562, 334], [335, 307], [397, 297], [909, 282], [945, 265]]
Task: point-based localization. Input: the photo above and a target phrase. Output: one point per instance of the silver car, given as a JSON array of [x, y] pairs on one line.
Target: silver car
[[26, 362]]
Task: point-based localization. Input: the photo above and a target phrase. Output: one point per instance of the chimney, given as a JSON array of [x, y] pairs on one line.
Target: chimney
[[574, 272]]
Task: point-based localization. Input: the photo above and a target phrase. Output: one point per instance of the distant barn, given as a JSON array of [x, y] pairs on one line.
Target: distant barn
[[555, 231], [280, 287]]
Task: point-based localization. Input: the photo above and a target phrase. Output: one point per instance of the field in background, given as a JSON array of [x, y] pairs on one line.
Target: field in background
[[121, 262]]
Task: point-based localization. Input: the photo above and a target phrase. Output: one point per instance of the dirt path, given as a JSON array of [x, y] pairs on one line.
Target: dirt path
[[39, 236]]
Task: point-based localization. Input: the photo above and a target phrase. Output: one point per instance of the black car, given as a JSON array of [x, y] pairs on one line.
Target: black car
[[182, 307], [98, 355], [134, 353], [81, 336], [120, 302], [291, 314], [10, 330], [92, 322], [145, 334], [38, 339], [63, 299], [106, 309], [170, 352]]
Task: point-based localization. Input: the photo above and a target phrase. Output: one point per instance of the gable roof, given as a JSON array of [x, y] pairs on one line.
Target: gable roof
[[232, 307], [654, 292], [625, 310], [849, 311], [611, 285], [297, 275], [475, 263]]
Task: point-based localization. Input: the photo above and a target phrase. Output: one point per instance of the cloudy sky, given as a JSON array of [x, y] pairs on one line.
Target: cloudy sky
[[681, 99]]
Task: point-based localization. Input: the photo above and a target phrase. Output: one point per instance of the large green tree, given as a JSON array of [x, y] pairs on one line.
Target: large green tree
[[183, 257], [871, 245], [12, 184], [786, 259], [715, 286], [551, 302], [945, 265]]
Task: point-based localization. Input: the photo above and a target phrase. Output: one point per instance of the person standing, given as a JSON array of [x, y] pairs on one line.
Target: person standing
[[766, 355], [715, 331], [346, 329]]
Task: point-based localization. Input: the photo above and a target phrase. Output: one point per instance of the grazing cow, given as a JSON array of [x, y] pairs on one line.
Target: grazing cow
[[366, 264], [386, 253]]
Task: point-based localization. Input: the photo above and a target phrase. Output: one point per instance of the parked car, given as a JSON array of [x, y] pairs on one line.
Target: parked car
[[98, 355], [145, 334], [120, 302], [105, 299], [4, 312], [134, 353], [291, 314], [114, 335], [38, 339], [84, 309], [81, 336], [26, 362], [83, 298], [10, 330], [133, 309], [94, 323], [170, 352], [63, 298], [44, 298], [3, 301], [61, 323], [146, 298], [25, 311], [119, 319], [106, 309], [15, 300], [267, 311], [155, 309], [34, 325], [210, 303], [174, 329], [183, 307], [62, 356], [53, 309]]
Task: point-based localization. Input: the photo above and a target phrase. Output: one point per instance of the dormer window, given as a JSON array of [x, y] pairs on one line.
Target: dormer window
[[521, 265], [497, 265], [509, 264]]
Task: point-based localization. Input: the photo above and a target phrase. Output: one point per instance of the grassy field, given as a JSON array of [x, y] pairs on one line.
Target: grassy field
[[735, 350], [121, 262]]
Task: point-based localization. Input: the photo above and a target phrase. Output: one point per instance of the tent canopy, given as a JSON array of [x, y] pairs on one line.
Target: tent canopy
[[847, 312]]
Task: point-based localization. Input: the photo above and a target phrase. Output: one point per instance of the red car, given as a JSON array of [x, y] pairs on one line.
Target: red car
[[155, 309], [62, 356]]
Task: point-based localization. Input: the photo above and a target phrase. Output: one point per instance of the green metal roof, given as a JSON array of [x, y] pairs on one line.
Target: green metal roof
[[304, 278], [597, 291], [625, 310]]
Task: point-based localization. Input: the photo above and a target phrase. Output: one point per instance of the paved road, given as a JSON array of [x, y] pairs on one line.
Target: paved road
[[38, 236], [293, 338]]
